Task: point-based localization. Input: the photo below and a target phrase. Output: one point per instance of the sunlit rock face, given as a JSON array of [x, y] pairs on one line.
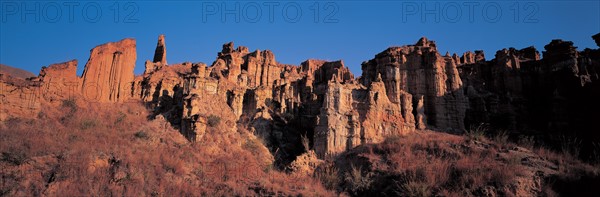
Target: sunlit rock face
[[402, 89]]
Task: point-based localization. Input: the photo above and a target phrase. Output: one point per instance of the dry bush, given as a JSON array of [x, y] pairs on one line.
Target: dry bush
[[526, 141], [213, 120], [570, 146], [357, 180], [329, 176], [477, 132]]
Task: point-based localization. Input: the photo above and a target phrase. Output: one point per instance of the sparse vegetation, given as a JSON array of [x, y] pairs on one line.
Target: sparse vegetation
[[305, 143], [14, 156], [436, 164], [477, 132], [141, 135], [526, 142], [357, 180], [96, 154], [58, 158], [500, 137], [570, 146], [213, 120], [329, 176], [88, 124]]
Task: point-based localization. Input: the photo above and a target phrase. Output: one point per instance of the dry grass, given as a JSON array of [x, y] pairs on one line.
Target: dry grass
[[432, 163], [102, 150]]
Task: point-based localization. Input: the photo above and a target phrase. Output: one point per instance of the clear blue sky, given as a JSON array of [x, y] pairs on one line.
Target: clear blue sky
[[353, 31]]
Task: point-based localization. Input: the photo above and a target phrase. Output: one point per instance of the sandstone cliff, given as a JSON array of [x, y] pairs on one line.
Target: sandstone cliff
[[108, 74], [401, 89]]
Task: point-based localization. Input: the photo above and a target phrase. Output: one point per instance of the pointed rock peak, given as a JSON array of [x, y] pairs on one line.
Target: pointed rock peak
[[378, 78], [242, 49], [447, 54], [227, 48], [422, 42], [597, 39], [160, 54]]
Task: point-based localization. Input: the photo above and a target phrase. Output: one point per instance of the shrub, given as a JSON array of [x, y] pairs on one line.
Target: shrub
[[252, 145], [501, 137], [13, 122], [503, 175], [88, 124], [141, 135], [476, 133], [414, 188], [120, 118], [358, 182], [14, 156], [71, 104], [570, 146], [526, 141], [305, 143], [328, 175], [213, 120]]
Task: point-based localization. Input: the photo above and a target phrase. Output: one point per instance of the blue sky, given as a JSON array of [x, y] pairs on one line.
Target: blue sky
[[353, 31]]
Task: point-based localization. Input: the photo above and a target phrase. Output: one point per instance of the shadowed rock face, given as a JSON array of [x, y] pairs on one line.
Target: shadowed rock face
[[401, 89], [160, 54]]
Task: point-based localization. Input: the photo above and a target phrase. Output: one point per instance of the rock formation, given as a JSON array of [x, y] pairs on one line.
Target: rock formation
[[108, 74], [401, 89], [160, 54], [419, 71]]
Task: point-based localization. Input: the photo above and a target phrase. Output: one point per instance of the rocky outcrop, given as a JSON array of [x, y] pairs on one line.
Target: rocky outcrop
[[417, 71], [597, 39], [401, 89], [108, 74], [160, 54], [518, 91], [60, 81]]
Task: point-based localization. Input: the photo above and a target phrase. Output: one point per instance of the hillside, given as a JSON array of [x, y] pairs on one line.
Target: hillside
[[415, 122], [15, 72]]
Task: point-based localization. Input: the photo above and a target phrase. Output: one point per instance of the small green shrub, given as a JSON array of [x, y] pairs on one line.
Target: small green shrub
[[213, 120], [71, 104], [141, 135], [88, 124]]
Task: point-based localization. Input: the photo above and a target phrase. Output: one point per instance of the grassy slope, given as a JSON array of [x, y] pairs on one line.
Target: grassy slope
[[101, 150]]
